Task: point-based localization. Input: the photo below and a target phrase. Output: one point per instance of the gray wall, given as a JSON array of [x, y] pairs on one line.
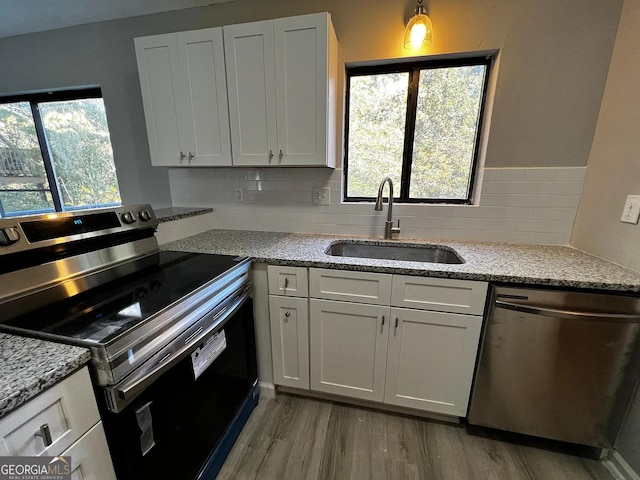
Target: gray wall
[[614, 164], [555, 57], [613, 173]]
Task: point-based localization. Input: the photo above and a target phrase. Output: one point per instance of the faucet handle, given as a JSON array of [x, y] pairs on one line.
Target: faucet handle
[[396, 230]]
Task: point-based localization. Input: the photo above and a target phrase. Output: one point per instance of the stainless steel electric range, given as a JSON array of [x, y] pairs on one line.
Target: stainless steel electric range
[[171, 333]]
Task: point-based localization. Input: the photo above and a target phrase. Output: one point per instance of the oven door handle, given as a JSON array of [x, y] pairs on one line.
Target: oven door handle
[[137, 383]]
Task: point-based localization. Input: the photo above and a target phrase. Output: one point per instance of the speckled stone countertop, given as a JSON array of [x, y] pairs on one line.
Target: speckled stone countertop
[[499, 262], [28, 366], [176, 213]]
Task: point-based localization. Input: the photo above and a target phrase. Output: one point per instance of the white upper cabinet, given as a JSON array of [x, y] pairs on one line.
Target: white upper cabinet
[[282, 91], [249, 54], [306, 70], [184, 95]]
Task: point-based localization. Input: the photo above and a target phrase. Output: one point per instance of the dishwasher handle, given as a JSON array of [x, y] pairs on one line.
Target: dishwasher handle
[[567, 314]]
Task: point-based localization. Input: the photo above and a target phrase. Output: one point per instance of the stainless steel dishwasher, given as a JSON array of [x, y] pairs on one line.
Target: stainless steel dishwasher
[[556, 364]]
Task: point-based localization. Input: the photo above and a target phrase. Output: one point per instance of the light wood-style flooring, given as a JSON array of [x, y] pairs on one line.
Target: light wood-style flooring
[[296, 438]]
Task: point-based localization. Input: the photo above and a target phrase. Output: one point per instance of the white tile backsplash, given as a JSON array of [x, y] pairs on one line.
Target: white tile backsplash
[[521, 205]]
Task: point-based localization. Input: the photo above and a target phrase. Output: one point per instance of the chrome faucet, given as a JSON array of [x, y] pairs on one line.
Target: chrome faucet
[[389, 229]]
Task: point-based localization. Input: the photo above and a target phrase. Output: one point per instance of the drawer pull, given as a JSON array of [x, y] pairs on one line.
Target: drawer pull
[[45, 433], [287, 314]]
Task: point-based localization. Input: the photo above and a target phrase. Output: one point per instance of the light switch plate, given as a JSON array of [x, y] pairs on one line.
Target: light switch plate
[[321, 195], [631, 212]]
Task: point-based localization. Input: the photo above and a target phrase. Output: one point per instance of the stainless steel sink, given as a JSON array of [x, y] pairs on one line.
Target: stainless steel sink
[[407, 253]]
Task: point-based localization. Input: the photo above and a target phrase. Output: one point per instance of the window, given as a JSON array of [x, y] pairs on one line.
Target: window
[[420, 124], [55, 153]]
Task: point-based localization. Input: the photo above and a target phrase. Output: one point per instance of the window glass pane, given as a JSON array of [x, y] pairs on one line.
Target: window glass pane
[[23, 182], [449, 101], [78, 137], [377, 113]]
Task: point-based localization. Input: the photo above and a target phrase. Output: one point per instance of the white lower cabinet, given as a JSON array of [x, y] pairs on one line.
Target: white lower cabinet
[[371, 349], [90, 456], [289, 318], [69, 414], [348, 348], [430, 360]]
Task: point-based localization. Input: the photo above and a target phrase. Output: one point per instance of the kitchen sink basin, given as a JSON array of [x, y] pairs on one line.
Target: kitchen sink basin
[[407, 253]]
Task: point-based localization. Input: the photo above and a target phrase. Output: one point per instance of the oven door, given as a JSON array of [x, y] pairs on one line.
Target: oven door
[[186, 413]]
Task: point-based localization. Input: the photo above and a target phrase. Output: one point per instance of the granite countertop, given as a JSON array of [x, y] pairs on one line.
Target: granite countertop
[[28, 366], [500, 262], [176, 213]]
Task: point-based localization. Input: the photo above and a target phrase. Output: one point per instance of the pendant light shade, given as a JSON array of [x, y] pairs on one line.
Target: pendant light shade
[[419, 31]]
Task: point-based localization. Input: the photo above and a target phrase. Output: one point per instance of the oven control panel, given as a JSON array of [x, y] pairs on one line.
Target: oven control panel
[[132, 216], [37, 231]]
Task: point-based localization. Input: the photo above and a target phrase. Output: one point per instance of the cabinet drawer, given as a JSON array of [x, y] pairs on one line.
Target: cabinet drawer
[[288, 281], [68, 408], [439, 294], [360, 287], [90, 457]]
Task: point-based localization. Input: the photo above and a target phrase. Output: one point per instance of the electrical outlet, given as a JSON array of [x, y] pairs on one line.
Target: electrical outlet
[[321, 195], [631, 212], [239, 195]]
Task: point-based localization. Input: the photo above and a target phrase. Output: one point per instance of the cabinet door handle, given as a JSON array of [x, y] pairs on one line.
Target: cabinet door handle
[[270, 155], [280, 155], [383, 320], [191, 156], [396, 322], [45, 433], [182, 155], [286, 283]]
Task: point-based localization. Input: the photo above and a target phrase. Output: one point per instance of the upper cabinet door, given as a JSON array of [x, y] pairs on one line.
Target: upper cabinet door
[[204, 114], [306, 67], [249, 55], [184, 93], [158, 70]]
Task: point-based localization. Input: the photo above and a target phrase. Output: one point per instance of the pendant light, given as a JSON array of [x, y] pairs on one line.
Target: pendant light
[[419, 31]]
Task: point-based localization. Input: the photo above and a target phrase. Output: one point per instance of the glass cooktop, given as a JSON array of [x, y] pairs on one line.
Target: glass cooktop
[[102, 313]]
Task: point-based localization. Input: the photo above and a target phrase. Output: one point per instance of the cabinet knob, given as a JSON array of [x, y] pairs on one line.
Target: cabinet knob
[[270, 155], [45, 432], [287, 314]]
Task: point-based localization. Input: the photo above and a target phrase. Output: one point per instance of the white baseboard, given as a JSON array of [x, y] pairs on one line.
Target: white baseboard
[[267, 390], [620, 469]]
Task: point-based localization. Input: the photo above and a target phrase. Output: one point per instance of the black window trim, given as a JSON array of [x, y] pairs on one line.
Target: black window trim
[[413, 68], [34, 99]]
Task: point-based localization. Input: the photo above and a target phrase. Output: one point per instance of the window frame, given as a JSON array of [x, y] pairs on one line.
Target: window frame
[[413, 68], [34, 100]]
